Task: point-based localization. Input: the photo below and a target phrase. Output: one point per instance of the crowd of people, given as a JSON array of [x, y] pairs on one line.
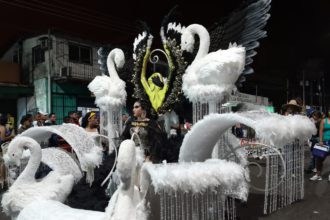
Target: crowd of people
[[321, 138]]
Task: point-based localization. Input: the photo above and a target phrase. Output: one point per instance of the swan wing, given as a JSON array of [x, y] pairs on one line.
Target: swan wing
[[53, 187], [89, 155], [214, 75], [244, 26], [102, 53], [141, 45], [170, 29], [61, 162], [99, 86]]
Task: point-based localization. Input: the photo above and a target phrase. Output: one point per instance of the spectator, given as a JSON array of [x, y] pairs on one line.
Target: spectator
[[75, 118], [11, 121], [237, 130], [67, 120], [90, 123], [40, 119], [52, 120], [25, 124], [316, 118], [324, 139], [291, 108], [5, 133]]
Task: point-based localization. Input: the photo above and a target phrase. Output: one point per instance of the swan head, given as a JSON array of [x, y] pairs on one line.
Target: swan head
[[126, 163], [15, 152], [119, 59], [187, 41]]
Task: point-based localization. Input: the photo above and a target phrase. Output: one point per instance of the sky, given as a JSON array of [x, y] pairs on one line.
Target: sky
[[298, 33]]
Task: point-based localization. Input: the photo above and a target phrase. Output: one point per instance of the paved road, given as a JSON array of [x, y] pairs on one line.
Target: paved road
[[315, 205]]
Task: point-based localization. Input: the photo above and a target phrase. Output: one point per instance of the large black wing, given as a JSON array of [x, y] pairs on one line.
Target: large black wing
[[170, 33], [139, 51], [103, 53], [244, 27]]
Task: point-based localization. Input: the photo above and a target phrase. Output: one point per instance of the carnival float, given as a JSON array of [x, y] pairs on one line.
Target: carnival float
[[212, 171]]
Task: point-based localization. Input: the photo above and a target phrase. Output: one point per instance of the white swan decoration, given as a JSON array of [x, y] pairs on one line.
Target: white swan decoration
[[88, 153], [26, 189], [211, 75], [110, 91], [270, 128], [122, 206]]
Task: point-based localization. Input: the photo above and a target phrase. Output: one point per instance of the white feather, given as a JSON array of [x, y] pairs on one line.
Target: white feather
[[211, 76], [176, 27], [138, 39], [53, 210], [110, 91], [26, 189], [271, 128], [88, 153], [198, 177], [127, 197]]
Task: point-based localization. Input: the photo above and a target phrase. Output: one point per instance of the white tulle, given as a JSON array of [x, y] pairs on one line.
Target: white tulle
[[59, 160], [88, 153]]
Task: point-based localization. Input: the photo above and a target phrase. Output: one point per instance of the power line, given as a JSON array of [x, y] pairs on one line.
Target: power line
[[83, 9], [71, 14], [62, 16], [87, 13]]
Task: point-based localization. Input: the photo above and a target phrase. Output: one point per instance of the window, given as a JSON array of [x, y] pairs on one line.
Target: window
[[80, 54], [38, 55]]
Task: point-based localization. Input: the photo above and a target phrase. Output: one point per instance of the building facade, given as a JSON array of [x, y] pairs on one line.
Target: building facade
[[56, 70]]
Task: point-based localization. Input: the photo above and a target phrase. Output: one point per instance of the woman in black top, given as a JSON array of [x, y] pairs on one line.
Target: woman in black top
[[147, 129]]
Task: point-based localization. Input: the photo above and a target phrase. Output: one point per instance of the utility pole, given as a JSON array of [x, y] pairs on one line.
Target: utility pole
[[287, 90], [49, 73], [311, 92], [303, 85]]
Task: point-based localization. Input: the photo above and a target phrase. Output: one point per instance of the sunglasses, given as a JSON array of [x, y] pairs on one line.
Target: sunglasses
[[137, 106]]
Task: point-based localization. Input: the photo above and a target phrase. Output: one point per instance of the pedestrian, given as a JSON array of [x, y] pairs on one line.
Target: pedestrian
[[51, 120], [291, 108], [324, 139], [25, 124], [315, 117], [5, 133], [74, 117]]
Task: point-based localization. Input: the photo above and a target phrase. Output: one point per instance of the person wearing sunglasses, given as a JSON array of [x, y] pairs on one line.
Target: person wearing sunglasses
[[147, 129]]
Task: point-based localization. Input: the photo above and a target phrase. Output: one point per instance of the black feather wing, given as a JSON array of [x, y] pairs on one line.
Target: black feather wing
[[139, 51], [244, 26]]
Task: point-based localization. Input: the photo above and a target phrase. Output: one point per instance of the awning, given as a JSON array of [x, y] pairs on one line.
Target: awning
[[15, 91]]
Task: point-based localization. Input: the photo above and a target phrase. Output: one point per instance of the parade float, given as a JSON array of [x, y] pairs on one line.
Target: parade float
[[212, 172]]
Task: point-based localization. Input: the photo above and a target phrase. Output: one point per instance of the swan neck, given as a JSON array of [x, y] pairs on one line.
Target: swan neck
[[204, 39], [111, 64], [31, 168]]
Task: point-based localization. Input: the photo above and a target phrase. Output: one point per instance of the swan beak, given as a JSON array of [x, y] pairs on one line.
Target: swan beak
[[17, 162], [10, 160]]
